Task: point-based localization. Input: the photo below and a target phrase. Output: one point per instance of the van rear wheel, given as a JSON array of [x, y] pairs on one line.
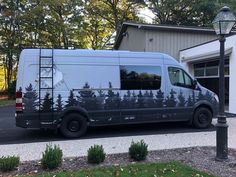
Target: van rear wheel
[[202, 118], [73, 125]]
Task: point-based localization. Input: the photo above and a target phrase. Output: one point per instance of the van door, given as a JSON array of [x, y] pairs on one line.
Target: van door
[[180, 95], [141, 91]]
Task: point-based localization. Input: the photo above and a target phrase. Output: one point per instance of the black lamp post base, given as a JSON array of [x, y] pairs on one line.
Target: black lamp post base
[[221, 139]]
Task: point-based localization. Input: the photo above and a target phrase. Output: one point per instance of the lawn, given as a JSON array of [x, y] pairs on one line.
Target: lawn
[[7, 102], [171, 169]]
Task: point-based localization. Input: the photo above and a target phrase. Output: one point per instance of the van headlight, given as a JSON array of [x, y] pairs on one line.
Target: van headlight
[[216, 98]]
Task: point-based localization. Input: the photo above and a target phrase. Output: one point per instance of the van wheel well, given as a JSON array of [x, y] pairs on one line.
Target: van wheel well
[[76, 112], [204, 106]]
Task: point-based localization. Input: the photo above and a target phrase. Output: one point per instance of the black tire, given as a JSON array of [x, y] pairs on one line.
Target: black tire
[[73, 125], [202, 117]]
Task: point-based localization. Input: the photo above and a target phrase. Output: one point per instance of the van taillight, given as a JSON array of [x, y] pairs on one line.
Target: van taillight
[[19, 104]]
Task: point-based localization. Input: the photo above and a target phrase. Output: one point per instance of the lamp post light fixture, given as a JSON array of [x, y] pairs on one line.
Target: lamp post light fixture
[[223, 23]]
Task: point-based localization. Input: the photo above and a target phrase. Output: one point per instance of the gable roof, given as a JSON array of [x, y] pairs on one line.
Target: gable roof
[[187, 29]]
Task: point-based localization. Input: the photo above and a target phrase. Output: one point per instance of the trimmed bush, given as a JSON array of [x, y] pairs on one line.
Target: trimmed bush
[[9, 163], [96, 154], [52, 157], [138, 151]]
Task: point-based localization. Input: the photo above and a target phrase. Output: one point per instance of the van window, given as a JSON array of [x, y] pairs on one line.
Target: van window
[[140, 77], [180, 78]]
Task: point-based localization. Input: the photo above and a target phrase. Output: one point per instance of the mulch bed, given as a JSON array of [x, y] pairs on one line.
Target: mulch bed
[[201, 158]]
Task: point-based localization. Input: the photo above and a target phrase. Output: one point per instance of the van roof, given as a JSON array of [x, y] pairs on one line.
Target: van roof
[[99, 53]]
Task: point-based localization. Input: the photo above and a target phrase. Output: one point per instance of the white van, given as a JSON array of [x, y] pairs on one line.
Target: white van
[[73, 89]]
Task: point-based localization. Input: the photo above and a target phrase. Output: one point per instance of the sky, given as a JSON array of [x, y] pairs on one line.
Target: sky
[[147, 14]]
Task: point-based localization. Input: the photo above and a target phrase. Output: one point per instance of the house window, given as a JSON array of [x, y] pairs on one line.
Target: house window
[[140, 77], [209, 69]]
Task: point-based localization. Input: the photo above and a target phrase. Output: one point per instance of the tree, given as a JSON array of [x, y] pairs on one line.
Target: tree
[[104, 18], [184, 12], [190, 102], [112, 101], [87, 98], [59, 105], [101, 99], [140, 100], [30, 99], [181, 99], [159, 98], [10, 36], [47, 103], [71, 100], [170, 100]]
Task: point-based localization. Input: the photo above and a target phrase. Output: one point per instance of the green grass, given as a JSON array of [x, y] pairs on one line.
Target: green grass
[[171, 169], [7, 102]]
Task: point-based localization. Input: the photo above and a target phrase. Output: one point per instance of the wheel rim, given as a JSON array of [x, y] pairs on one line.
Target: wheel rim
[[73, 126], [203, 118]]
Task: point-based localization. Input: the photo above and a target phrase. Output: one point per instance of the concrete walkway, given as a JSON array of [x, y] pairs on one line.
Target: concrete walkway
[[71, 148]]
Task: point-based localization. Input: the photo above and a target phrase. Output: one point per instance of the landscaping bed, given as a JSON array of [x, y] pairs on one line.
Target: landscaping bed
[[200, 158]]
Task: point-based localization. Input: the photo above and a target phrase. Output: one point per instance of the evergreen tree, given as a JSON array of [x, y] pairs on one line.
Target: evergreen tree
[[71, 100], [59, 105], [111, 100], [170, 100], [190, 101], [140, 100], [87, 98], [30, 99], [200, 95], [133, 100], [47, 103], [101, 99], [159, 99], [181, 99], [125, 102]]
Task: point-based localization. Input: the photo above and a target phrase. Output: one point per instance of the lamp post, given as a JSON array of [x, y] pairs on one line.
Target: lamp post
[[223, 23]]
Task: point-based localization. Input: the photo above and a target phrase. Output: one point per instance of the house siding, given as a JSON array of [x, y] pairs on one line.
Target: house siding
[[134, 40], [172, 42]]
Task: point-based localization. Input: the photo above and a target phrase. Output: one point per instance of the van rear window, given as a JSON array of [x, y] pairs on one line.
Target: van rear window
[[140, 77]]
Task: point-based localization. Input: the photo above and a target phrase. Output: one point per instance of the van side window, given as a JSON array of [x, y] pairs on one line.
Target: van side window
[[180, 78], [140, 77]]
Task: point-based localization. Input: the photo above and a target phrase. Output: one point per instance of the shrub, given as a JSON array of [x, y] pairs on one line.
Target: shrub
[[96, 154], [9, 163], [52, 157], [138, 151]]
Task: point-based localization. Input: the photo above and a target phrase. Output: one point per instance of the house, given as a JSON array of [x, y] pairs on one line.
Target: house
[[202, 61], [161, 38]]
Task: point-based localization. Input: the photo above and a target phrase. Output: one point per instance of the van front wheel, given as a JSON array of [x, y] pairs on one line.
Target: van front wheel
[[73, 126], [202, 118]]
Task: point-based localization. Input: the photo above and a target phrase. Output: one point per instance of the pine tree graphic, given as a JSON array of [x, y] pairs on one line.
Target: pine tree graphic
[[30, 99], [181, 99], [71, 100], [112, 100], [87, 98], [47, 103], [140, 100], [190, 101], [200, 96], [101, 99], [159, 99], [59, 105], [170, 100]]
